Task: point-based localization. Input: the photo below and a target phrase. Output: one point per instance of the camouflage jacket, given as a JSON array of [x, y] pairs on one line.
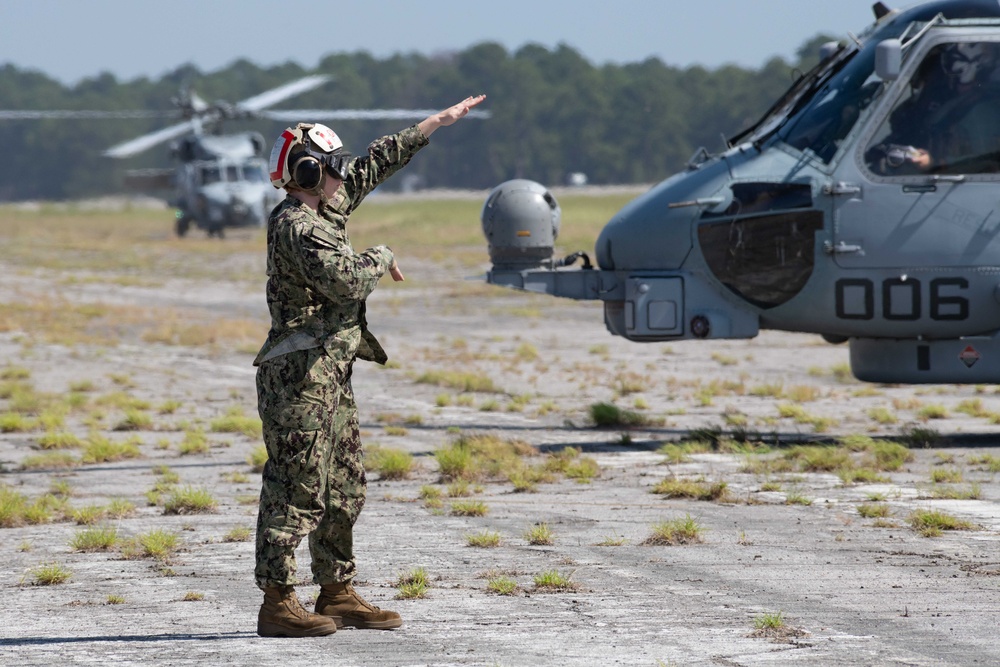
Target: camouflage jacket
[[316, 283]]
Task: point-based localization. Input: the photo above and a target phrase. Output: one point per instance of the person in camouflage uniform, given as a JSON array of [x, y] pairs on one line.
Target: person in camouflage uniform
[[313, 484]]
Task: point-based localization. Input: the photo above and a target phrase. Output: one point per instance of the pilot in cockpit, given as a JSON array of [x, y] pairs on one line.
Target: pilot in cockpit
[[949, 122]]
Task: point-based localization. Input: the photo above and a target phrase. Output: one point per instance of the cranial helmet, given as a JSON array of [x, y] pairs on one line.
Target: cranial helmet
[[301, 153], [968, 62]]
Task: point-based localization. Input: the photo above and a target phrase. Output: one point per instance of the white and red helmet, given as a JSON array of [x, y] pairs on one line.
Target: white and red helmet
[[304, 140]]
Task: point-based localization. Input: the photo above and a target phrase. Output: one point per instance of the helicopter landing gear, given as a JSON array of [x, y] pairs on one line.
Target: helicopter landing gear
[[182, 226]]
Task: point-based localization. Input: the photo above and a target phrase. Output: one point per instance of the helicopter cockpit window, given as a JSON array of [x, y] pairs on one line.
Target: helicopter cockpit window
[[210, 175], [835, 108], [255, 173], [948, 120]]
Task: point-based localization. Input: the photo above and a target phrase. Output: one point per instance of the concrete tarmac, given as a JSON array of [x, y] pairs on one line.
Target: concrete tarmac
[[786, 544]]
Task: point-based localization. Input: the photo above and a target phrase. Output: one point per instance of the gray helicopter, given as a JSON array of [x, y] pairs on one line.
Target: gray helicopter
[[864, 206], [221, 180]]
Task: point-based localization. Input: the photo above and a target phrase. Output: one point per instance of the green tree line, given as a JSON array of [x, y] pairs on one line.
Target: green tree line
[[553, 113]]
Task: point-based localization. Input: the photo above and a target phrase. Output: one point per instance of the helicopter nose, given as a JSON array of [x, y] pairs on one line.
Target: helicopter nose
[[647, 234]]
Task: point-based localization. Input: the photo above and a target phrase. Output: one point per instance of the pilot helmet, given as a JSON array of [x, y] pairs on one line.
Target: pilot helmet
[[968, 62], [302, 154]]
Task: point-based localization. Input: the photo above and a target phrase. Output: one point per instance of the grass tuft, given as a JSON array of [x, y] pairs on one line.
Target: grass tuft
[[931, 523], [392, 464], [238, 534], [190, 500], [51, 574], [674, 532], [671, 487], [874, 510], [412, 585], [553, 581], [469, 508], [158, 544], [539, 535], [97, 538], [257, 458], [234, 421], [607, 415], [485, 540], [502, 585]]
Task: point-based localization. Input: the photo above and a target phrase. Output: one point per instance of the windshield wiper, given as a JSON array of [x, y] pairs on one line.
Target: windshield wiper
[[797, 93], [805, 98]]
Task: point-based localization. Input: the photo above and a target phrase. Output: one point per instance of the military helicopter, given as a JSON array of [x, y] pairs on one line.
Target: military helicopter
[[864, 206], [221, 180]]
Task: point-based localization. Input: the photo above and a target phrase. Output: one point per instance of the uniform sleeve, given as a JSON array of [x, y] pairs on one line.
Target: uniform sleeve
[[385, 157], [334, 269]]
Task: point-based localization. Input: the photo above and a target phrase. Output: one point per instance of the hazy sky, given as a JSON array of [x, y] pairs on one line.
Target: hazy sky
[[73, 39]]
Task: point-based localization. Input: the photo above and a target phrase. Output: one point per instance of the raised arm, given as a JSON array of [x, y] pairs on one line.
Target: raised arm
[[449, 115]]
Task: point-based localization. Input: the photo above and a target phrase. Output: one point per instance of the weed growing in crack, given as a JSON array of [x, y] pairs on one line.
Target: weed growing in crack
[[257, 458], [392, 464], [50, 574], [674, 532], [554, 581], [484, 540], [932, 523], [157, 544], [238, 534], [874, 510], [502, 586], [97, 538], [539, 534], [412, 585], [190, 500], [469, 508], [672, 487]]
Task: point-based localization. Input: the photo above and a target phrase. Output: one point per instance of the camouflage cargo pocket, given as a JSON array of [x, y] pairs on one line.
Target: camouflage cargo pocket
[[294, 390]]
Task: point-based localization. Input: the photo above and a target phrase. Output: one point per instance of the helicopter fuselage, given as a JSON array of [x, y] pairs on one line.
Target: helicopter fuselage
[[824, 219], [222, 182]]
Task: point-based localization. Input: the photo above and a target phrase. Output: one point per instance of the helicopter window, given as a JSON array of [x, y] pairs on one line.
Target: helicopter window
[[948, 120], [232, 173], [766, 259], [836, 107], [757, 197], [254, 173], [210, 175]]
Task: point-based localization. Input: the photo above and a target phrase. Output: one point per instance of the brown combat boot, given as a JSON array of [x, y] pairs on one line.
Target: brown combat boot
[[282, 615], [346, 607]]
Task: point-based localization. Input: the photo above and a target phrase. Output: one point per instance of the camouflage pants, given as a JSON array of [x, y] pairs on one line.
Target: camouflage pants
[[314, 479]]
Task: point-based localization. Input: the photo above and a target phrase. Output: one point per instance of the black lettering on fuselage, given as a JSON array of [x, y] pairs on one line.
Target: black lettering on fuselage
[[902, 299]]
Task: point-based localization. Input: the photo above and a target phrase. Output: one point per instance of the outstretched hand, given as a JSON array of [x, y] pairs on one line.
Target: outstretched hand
[[396, 274], [450, 115]]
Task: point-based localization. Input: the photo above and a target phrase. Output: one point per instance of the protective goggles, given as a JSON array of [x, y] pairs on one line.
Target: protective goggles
[[336, 164]]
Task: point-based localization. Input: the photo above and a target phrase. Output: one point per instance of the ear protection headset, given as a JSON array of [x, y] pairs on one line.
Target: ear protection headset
[[307, 168]]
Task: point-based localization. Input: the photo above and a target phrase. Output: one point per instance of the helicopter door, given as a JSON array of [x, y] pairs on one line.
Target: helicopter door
[[923, 192]]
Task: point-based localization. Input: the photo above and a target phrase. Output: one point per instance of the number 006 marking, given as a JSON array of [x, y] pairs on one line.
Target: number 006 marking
[[901, 300]]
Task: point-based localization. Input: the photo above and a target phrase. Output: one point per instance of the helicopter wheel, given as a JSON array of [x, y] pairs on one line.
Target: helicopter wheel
[[182, 226]]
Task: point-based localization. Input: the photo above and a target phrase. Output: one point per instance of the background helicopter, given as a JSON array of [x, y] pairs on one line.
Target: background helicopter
[[220, 180], [862, 207]]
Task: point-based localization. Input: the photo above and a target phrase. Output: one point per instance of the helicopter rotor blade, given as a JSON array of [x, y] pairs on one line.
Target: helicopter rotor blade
[[275, 95], [359, 114], [96, 114], [147, 141], [198, 105]]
